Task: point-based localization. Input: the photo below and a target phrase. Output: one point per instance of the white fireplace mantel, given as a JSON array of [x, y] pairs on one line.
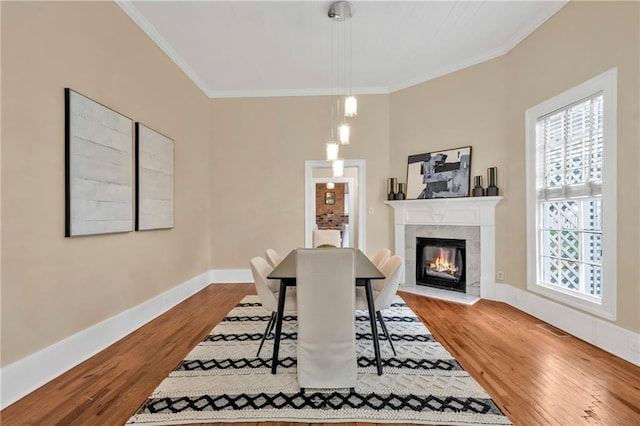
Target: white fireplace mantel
[[467, 211]]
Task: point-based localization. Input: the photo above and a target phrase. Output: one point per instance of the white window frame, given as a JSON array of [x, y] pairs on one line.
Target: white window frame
[[606, 83]]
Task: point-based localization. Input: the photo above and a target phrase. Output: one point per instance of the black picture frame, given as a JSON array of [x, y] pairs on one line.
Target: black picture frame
[[330, 197], [439, 174]]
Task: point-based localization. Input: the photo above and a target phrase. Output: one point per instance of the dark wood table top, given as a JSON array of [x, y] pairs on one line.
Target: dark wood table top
[[364, 268]]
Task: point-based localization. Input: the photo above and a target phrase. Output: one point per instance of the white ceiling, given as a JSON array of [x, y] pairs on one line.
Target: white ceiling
[[284, 48]]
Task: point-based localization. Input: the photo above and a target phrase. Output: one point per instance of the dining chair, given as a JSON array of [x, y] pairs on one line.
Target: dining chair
[[383, 292], [326, 236], [268, 292], [380, 257], [325, 280], [272, 257]]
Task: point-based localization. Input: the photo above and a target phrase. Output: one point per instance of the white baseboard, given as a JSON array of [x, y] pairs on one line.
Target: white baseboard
[[26, 375], [600, 333]]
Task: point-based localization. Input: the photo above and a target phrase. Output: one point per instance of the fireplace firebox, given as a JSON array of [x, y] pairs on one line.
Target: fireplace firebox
[[440, 263]]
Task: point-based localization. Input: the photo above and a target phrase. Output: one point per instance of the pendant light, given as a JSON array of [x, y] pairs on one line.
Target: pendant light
[[350, 106], [338, 168], [332, 151], [340, 12], [344, 131]]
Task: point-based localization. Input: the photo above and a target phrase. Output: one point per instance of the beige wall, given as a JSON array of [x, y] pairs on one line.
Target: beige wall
[[52, 286], [259, 146], [484, 106]]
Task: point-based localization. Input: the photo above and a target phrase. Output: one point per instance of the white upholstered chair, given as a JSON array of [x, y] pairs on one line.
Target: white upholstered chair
[[326, 236], [383, 292], [380, 257], [272, 257], [325, 281], [268, 292]]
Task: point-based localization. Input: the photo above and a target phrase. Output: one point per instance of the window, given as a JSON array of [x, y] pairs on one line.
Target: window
[[571, 196]]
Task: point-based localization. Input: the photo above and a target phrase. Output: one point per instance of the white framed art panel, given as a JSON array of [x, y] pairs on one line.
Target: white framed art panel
[[154, 179], [98, 168]]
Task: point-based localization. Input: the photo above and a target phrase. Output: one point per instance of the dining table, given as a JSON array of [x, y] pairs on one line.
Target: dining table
[[365, 272]]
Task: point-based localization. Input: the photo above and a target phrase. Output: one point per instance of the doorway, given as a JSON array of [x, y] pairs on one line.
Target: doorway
[[319, 171], [335, 206]]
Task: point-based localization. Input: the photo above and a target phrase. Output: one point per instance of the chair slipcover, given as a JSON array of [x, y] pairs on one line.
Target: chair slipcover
[[383, 291], [268, 292], [272, 257], [381, 256], [325, 282], [326, 236]]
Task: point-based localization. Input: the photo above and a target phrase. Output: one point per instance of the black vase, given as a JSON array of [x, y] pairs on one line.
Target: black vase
[[478, 190], [391, 187], [401, 193], [492, 174]]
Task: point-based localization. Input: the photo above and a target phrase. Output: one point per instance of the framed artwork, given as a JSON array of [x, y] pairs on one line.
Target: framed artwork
[[154, 179], [441, 174], [329, 197], [98, 168]]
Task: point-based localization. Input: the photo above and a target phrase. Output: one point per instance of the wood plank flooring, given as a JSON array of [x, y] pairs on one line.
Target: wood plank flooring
[[535, 375]]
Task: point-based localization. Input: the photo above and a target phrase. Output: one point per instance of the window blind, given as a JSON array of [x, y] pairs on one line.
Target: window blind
[[569, 145]]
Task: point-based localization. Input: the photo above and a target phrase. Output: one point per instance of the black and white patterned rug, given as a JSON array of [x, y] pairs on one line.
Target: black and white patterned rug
[[221, 380]]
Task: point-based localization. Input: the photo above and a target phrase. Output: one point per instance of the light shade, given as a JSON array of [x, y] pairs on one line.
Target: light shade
[[332, 151], [331, 185], [338, 168], [350, 106], [344, 131]]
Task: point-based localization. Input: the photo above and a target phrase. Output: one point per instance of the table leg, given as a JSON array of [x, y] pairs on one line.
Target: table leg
[[276, 342], [374, 327]]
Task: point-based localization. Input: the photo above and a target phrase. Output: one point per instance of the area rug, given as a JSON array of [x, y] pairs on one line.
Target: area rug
[[222, 380]]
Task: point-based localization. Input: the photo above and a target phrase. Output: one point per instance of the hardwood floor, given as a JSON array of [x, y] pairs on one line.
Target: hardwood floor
[[535, 374]]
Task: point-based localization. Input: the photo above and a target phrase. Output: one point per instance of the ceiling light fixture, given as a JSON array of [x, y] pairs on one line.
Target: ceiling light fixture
[[338, 168], [340, 12], [332, 151]]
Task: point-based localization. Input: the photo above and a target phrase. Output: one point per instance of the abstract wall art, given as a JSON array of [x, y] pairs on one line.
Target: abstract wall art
[[154, 179], [441, 174], [98, 168]]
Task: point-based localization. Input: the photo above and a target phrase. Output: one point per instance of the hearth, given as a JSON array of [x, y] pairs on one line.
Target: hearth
[[441, 263]]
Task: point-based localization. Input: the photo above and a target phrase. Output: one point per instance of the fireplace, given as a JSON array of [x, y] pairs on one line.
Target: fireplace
[[441, 263], [466, 218]]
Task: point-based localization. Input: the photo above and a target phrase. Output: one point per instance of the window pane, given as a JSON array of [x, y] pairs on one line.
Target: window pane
[[593, 247], [550, 270], [569, 214], [569, 245], [597, 139], [592, 214], [554, 166], [569, 275], [550, 215], [594, 280], [550, 246]]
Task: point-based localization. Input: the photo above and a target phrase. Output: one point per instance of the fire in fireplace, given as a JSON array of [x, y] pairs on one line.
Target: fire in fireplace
[[440, 263]]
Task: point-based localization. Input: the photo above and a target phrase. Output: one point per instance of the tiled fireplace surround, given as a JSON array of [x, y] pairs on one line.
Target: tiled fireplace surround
[[469, 218]]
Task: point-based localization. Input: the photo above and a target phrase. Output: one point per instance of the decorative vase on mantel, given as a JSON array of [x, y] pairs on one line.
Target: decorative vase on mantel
[[478, 190], [492, 189], [391, 188], [401, 194]]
